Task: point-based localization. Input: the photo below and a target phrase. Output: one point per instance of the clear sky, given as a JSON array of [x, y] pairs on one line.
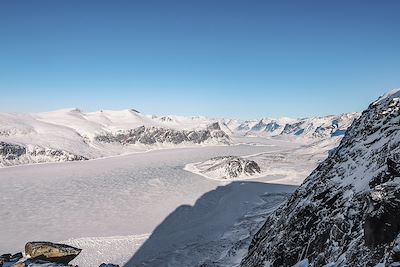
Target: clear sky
[[240, 59]]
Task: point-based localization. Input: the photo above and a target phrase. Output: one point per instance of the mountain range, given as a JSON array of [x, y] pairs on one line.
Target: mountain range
[[70, 134]]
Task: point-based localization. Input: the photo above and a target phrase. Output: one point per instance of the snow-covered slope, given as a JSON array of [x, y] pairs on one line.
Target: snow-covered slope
[[70, 134], [346, 213]]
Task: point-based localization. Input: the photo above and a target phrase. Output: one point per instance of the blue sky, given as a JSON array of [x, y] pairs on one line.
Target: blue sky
[[242, 59]]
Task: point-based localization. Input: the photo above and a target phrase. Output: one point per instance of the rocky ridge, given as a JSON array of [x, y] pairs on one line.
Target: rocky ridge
[[315, 127], [346, 212], [13, 154], [153, 135]]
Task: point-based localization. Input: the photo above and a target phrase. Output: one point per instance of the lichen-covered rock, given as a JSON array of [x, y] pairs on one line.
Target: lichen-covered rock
[[346, 213], [52, 252]]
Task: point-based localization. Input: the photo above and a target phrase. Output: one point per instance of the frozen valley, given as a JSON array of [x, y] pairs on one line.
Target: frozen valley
[[134, 189], [111, 206]]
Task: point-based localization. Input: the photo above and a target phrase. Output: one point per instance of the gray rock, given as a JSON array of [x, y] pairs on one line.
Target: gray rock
[[11, 151], [60, 155]]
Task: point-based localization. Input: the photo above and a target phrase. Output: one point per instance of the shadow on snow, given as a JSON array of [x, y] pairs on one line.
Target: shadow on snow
[[206, 221]]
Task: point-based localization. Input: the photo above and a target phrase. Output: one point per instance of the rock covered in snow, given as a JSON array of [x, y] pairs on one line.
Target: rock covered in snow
[[226, 167], [315, 127], [346, 212], [13, 154], [11, 151], [70, 134], [79, 135], [153, 135]]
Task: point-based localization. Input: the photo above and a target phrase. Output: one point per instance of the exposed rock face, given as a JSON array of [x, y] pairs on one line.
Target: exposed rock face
[[56, 154], [214, 126], [346, 213], [58, 253], [153, 135], [12, 154], [227, 167], [11, 151], [294, 128]]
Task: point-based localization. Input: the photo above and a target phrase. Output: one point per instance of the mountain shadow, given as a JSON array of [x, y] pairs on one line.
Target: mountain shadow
[[191, 235]]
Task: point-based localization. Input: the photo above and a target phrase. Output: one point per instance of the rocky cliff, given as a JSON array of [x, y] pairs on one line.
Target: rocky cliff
[[346, 213]]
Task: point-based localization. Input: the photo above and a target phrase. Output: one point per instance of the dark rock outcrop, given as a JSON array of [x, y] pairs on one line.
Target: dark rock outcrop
[[11, 151], [382, 222]]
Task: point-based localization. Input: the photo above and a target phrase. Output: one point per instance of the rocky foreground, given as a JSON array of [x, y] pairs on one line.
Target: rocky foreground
[[43, 254]]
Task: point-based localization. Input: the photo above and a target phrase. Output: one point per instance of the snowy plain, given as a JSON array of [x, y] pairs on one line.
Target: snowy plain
[[122, 209], [117, 196], [111, 206]]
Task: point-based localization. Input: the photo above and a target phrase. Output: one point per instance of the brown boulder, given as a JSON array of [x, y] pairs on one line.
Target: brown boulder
[[58, 253]]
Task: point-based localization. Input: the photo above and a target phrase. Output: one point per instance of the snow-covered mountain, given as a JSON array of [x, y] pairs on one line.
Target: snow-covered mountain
[[316, 127], [346, 212], [70, 134]]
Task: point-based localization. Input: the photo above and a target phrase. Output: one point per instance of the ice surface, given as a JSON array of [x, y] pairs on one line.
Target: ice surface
[[110, 205]]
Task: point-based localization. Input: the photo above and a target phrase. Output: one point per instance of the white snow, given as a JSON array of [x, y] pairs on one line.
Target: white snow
[[105, 204], [96, 250], [112, 205], [73, 131], [286, 162]]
